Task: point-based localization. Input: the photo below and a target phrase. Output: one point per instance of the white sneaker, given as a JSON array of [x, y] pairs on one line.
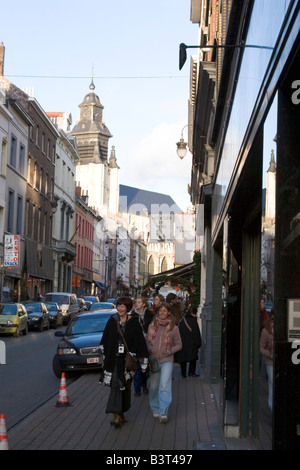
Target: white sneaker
[[155, 415], [163, 418]]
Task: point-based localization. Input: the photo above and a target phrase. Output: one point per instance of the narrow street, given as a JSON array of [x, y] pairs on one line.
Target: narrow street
[[27, 380]]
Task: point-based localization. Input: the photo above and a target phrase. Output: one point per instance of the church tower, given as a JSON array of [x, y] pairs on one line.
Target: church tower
[[91, 133], [93, 172]]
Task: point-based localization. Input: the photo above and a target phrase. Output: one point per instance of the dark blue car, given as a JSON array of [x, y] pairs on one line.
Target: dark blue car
[[78, 349], [38, 316]]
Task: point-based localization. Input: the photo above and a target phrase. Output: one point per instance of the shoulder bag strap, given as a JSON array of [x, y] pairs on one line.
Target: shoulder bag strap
[[186, 324], [120, 331]]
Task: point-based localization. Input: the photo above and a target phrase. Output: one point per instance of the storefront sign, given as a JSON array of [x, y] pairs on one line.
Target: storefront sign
[[12, 245]]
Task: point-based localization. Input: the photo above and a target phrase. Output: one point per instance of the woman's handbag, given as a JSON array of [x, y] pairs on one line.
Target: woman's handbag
[[154, 364], [131, 363]]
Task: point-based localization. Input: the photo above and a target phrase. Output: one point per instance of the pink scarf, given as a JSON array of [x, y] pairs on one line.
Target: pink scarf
[[152, 331]]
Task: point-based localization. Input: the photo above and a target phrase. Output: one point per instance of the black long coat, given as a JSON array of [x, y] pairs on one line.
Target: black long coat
[[133, 335], [191, 340]]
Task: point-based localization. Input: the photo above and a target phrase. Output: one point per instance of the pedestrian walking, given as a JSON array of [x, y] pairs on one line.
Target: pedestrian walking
[[146, 315], [266, 349], [191, 343], [157, 300], [175, 306], [122, 330], [145, 318], [163, 341], [264, 315]]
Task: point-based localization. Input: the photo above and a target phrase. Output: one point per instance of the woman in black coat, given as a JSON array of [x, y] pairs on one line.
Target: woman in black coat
[[114, 374], [145, 317], [191, 342]]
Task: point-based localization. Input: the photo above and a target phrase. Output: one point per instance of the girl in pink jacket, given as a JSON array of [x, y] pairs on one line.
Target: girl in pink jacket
[[163, 342]]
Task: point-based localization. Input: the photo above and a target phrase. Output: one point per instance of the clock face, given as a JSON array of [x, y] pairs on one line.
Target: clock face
[[85, 113]]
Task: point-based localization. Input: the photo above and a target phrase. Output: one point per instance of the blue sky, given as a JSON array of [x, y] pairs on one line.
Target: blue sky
[[132, 48]]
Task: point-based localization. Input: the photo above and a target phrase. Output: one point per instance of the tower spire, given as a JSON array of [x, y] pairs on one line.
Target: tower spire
[[272, 166], [92, 85]]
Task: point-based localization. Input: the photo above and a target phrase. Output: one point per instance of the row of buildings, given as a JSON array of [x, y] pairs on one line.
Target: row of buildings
[[66, 223], [243, 117]]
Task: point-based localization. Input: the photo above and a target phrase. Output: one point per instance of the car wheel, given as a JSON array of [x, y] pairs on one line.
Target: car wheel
[[56, 367], [17, 332]]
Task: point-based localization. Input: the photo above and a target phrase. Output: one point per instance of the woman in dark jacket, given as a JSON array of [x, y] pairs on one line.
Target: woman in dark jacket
[[114, 373], [191, 342], [145, 314], [145, 317]]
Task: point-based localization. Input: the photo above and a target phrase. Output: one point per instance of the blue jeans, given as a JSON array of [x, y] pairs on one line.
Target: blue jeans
[[160, 390]]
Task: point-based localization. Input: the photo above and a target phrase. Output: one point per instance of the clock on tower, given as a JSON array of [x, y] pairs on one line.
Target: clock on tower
[[85, 112]]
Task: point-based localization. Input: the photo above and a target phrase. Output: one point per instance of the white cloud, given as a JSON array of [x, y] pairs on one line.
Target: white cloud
[[153, 164]]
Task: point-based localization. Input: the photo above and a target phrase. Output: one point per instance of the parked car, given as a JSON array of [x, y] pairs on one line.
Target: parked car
[[13, 319], [55, 314], [102, 306], [38, 316], [78, 350], [91, 298], [66, 301]]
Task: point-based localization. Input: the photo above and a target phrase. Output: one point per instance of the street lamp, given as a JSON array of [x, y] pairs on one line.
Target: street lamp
[[182, 146]]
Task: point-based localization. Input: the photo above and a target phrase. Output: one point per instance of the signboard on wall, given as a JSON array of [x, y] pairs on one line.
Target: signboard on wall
[[12, 246]]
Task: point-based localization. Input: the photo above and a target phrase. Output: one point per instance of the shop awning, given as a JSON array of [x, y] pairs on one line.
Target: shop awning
[[185, 271], [100, 285]]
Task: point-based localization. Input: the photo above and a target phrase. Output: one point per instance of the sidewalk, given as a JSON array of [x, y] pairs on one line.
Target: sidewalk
[[193, 424]]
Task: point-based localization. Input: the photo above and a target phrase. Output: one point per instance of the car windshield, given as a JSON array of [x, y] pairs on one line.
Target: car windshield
[[8, 309], [33, 307], [84, 325], [58, 298], [101, 306], [51, 307]]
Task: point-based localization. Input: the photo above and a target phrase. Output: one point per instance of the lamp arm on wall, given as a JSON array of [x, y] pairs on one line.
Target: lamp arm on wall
[[183, 47]]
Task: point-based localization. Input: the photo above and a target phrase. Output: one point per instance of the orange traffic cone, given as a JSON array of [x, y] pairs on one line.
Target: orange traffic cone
[[3, 434], [63, 399]]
